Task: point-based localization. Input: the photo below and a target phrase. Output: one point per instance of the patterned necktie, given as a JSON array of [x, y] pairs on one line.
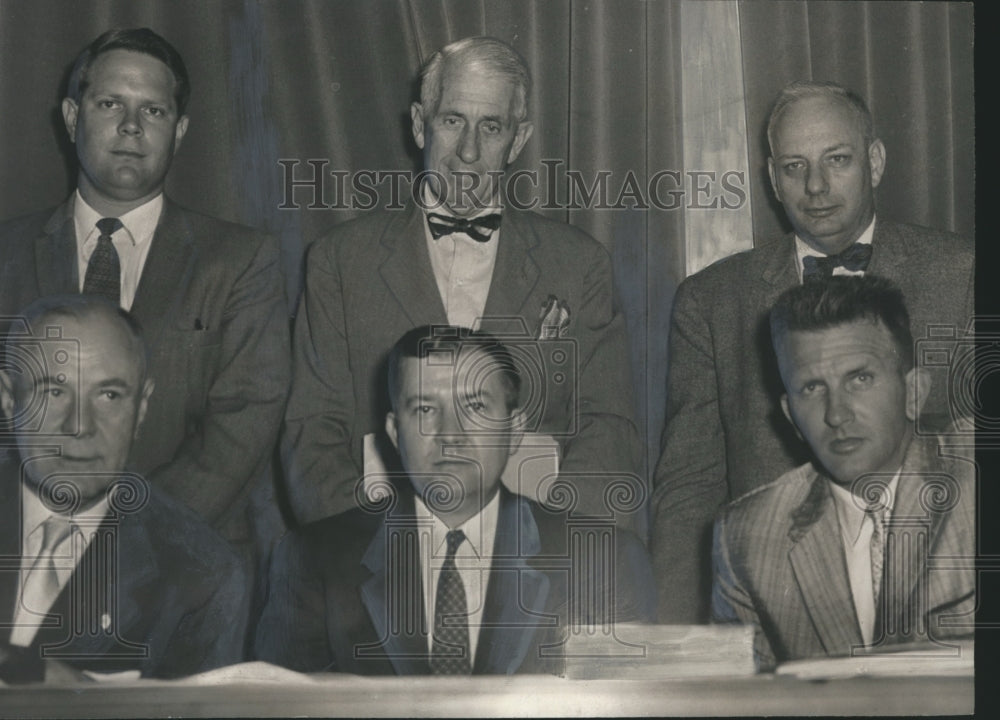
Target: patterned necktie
[[855, 258], [41, 584], [877, 514], [479, 228], [104, 269], [450, 649]]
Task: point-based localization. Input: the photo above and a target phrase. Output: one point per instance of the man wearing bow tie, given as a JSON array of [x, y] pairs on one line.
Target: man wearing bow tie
[[724, 432], [459, 257]]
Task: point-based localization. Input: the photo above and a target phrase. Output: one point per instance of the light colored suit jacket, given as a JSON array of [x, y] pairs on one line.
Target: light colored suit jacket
[[345, 593], [211, 305], [725, 433], [780, 566], [370, 280]]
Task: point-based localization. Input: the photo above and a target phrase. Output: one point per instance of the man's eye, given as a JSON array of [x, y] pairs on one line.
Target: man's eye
[[812, 388], [156, 111], [491, 128], [840, 160], [862, 379], [476, 405], [451, 121], [107, 104], [110, 394], [793, 166], [425, 409], [54, 392]]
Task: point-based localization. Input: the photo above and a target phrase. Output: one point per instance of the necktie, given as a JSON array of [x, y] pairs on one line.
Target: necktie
[[877, 550], [450, 649], [104, 269], [41, 584], [478, 228], [855, 258]]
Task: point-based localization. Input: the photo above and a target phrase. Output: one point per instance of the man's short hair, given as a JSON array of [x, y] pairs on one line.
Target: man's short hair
[[488, 54], [140, 40], [444, 343], [46, 311], [842, 299], [802, 89]]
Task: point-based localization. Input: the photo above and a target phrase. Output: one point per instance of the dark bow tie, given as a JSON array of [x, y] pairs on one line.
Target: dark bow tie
[[855, 258], [478, 228]]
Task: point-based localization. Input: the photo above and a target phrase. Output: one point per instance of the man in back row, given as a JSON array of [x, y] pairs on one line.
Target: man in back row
[[544, 287], [208, 294], [873, 543], [724, 432]]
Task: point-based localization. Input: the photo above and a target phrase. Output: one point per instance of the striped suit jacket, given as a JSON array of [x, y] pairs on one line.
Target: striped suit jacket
[[780, 567]]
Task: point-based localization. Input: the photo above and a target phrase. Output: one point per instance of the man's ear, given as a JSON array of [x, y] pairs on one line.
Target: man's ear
[[417, 117], [771, 173], [391, 429], [876, 161], [147, 390], [69, 113], [517, 420], [524, 130], [179, 132], [7, 400], [918, 385], [788, 414]]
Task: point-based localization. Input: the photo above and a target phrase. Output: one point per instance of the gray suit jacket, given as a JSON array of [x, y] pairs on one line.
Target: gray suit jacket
[[779, 561], [211, 304], [725, 433], [370, 280]]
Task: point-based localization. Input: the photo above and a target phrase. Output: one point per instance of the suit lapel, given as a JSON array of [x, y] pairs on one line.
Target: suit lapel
[[817, 560], [407, 270], [889, 251], [55, 253], [779, 265], [516, 594], [166, 273], [393, 595], [10, 543], [515, 273]]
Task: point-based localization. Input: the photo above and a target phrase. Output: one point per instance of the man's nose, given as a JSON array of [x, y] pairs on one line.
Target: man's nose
[[131, 123], [838, 409], [816, 181], [468, 145]]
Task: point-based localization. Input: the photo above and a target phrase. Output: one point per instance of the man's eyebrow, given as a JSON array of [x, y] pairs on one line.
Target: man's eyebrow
[[115, 383]]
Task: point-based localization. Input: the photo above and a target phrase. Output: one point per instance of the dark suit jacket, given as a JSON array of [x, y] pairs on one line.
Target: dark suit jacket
[[211, 304], [178, 596], [370, 280], [345, 593], [725, 433], [779, 561]]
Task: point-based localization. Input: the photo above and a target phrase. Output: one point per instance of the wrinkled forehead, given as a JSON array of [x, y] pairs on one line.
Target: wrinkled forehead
[[69, 347], [836, 346], [813, 114]]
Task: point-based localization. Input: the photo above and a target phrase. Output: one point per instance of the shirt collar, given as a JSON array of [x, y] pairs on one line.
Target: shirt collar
[[139, 222], [34, 512], [478, 529], [851, 509], [803, 249]]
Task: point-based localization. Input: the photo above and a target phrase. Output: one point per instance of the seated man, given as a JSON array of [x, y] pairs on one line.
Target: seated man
[[99, 570], [837, 555], [447, 572]]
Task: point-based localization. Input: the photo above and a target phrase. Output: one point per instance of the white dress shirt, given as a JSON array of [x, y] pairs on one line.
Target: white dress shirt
[[66, 556], [463, 268], [856, 528], [132, 241], [802, 250], [472, 561]]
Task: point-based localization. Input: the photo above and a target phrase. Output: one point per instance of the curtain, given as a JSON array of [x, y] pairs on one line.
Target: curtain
[[299, 90]]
